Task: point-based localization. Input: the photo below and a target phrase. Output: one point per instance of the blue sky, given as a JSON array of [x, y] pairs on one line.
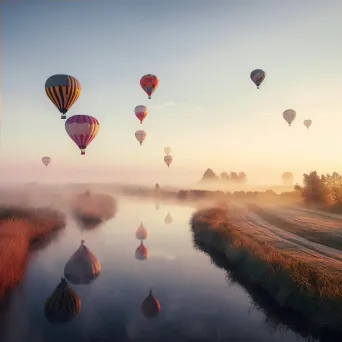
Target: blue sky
[[206, 107]]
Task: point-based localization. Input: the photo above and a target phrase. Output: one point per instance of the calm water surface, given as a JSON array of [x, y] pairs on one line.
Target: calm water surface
[[197, 301]]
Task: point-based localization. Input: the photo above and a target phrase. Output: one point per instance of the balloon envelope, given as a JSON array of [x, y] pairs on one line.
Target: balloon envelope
[[258, 76], [82, 129], [289, 115], [63, 91], [149, 83], [141, 252], [141, 112], [168, 160], [46, 160], [307, 123], [167, 150], [140, 136]]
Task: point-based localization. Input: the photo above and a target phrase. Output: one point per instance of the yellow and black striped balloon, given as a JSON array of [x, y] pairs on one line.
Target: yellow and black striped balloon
[[63, 305], [63, 91]]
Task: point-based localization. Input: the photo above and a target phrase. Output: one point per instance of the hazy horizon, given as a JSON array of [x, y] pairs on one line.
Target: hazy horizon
[[206, 107]]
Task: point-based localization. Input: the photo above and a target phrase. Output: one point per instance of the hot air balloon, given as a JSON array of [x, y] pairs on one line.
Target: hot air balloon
[[141, 233], [307, 123], [83, 267], [82, 129], [168, 218], [149, 83], [63, 305], [46, 161], [141, 113], [141, 136], [150, 306], [167, 150], [168, 160], [63, 91], [141, 252], [289, 115], [258, 76], [287, 178]]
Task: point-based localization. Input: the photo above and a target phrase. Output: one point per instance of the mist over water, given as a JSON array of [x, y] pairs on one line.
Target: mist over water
[[197, 302]]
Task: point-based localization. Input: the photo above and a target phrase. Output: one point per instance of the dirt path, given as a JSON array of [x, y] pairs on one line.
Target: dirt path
[[253, 225]]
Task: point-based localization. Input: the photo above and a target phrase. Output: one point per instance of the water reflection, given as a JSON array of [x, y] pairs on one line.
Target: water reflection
[[63, 305], [83, 267], [141, 233], [157, 206], [168, 219], [277, 319], [150, 307], [141, 252]]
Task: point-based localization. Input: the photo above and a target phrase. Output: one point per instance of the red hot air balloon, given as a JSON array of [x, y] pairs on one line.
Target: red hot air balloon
[[141, 252], [150, 306], [149, 83], [141, 113], [82, 129]]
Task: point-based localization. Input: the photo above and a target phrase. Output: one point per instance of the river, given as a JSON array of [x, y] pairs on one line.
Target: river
[[198, 303]]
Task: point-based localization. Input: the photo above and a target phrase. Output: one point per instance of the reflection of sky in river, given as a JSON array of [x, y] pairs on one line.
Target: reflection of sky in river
[[197, 302]]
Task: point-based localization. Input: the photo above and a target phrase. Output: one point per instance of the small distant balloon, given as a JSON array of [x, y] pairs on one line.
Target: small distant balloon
[[63, 91], [140, 136], [168, 160], [307, 123], [46, 161], [141, 113], [289, 115], [149, 83], [167, 150], [82, 129], [258, 76]]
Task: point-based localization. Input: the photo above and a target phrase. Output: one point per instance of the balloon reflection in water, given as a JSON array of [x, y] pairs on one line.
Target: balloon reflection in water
[[168, 218], [63, 304], [83, 267], [141, 233], [150, 306], [141, 252]]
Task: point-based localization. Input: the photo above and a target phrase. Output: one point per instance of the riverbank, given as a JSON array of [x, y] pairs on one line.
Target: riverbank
[[293, 279], [21, 229]]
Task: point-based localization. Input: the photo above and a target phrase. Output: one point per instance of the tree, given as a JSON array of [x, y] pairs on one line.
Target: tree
[[315, 189], [334, 187], [209, 174], [224, 176], [234, 176], [242, 177]]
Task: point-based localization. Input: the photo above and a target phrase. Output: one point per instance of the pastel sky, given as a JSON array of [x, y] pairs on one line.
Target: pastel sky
[[206, 108]]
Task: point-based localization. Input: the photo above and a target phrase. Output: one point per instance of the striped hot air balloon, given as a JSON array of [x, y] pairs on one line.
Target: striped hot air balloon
[[140, 136], [63, 305], [141, 113], [82, 129], [149, 83], [83, 267], [63, 91]]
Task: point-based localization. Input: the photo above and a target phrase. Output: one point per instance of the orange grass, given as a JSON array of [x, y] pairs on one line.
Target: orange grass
[[19, 229], [294, 280]]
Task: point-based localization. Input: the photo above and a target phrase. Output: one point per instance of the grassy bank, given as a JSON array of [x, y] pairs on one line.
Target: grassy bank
[[293, 280], [326, 238], [20, 230]]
